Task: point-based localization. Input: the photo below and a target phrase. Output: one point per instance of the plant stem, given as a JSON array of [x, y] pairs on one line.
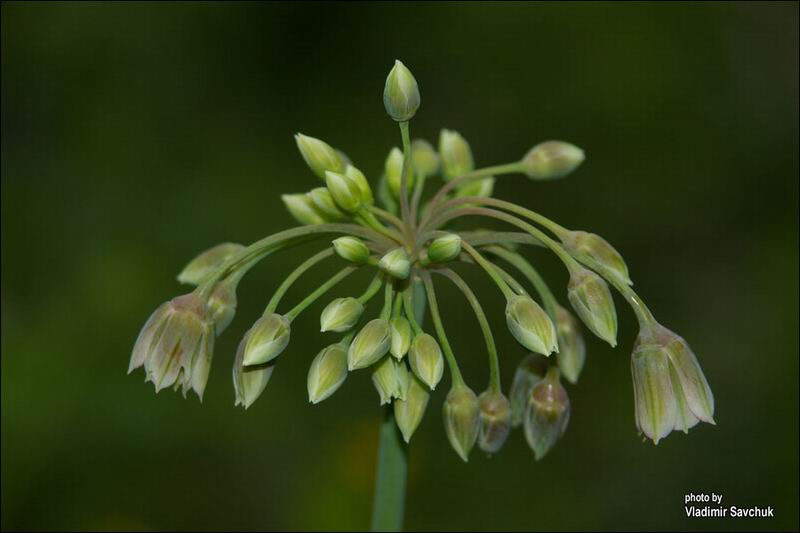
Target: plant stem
[[390, 480]]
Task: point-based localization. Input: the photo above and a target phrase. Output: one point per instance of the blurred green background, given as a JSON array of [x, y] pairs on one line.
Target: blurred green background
[[136, 135]]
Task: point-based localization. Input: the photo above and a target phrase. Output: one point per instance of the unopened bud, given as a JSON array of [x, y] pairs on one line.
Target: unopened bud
[[571, 346], [483, 187], [327, 372], [547, 415], [408, 412], [401, 336], [266, 339], [530, 325], [361, 182], [424, 158], [318, 155], [351, 249], [385, 379], [462, 419], [456, 155], [340, 315], [302, 208], [396, 263], [371, 343], [323, 200], [393, 171], [344, 190], [401, 93], [530, 371], [552, 160], [425, 358], [249, 381], [581, 243], [445, 248], [221, 305], [495, 415], [204, 265], [591, 299]]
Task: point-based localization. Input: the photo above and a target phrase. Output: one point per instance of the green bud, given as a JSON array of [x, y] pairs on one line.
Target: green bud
[[591, 299], [530, 371], [266, 339], [425, 358], [351, 249], [204, 265], [530, 325], [323, 201], [571, 347], [361, 182], [408, 412], [495, 415], [371, 343], [445, 248], [456, 155], [483, 188], [319, 155], [340, 315], [344, 191], [462, 419], [401, 336], [583, 244], [547, 415], [401, 94], [385, 379], [403, 379], [551, 160], [393, 170], [670, 390], [327, 372], [396, 263], [424, 158], [249, 381], [302, 208], [221, 306]]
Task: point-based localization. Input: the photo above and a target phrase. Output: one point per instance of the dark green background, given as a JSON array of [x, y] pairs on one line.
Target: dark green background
[[134, 136]]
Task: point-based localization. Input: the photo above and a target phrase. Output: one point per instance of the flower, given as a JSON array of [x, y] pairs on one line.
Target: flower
[[552, 160], [401, 94], [426, 360], [547, 415], [591, 299], [495, 417], [530, 325], [462, 419], [268, 337], [327, 372], [318, 155], [340, 315], [371, 343]]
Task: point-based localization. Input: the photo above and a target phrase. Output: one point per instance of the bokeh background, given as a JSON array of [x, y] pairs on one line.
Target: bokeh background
[[136, 135]]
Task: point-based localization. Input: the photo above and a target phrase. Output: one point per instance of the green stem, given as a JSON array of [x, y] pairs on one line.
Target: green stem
[[640, 309], [408, 303], [404, 177], [372, 289], [366, 218], [388, 298], [322, 289], [385, 215], [458, 380], [291, 278], [390, 481], [489, 268], [527, 270], [494, 363]]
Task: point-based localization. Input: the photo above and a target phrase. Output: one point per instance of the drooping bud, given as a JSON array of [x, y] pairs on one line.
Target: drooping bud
[[456, 155], [351, 249], [249, 381], [221, 306], [361, 182], [591, 299], [371, 343], [401, 93], [552, 160], [327, 372], [393, 170], [318, 155], [322, 199], [303, 209], [530, 325], [581, 243], [670, 390], [266, 339], [425, 358], [396, 263], [547, 415], [385, 379], [208, 262], [483, 187], [408, 412], [445, 248], [530, 371], [401, 337], [571, 346], [344, 190], [462, 419], [495, 415], [424, 158], [340, 315]]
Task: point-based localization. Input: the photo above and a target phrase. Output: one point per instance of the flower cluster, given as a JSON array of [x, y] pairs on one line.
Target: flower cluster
[[400, 232]]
